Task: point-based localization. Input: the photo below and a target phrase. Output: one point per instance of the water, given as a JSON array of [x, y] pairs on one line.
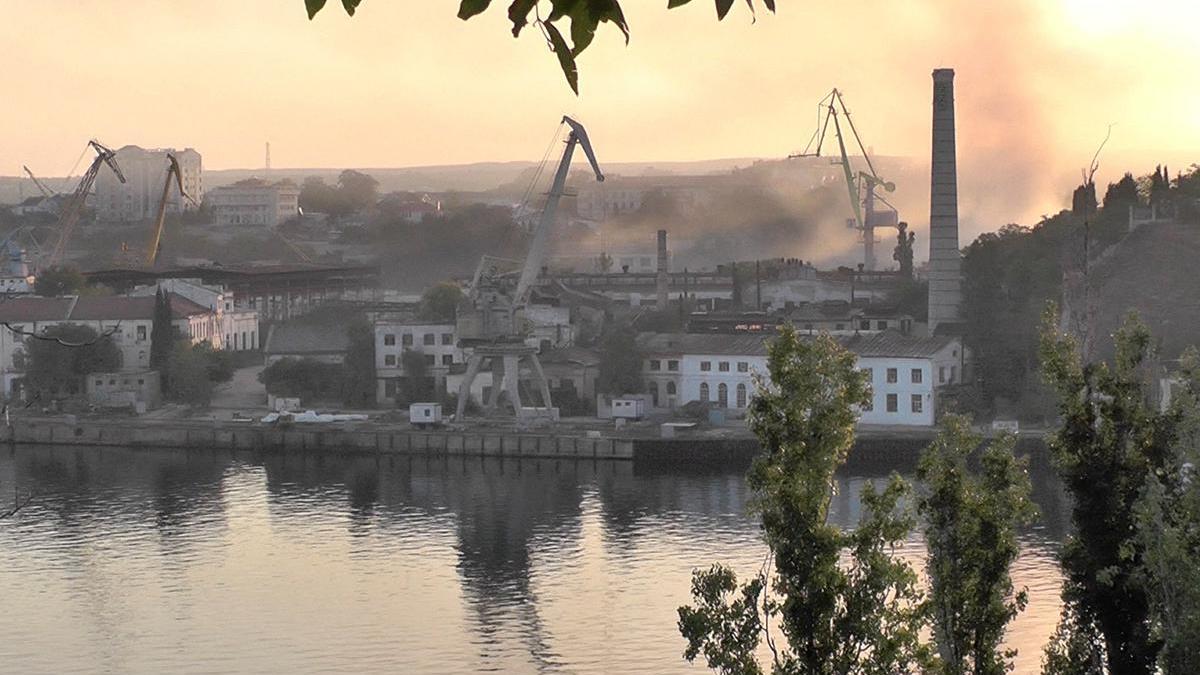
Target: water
[[148, 562]]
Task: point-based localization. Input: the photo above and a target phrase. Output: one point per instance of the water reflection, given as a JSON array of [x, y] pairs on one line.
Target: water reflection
[[210, 561]]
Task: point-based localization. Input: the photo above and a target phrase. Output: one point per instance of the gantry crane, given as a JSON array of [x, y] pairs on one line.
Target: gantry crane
[[75, 203], [860, 185], [494, 325]]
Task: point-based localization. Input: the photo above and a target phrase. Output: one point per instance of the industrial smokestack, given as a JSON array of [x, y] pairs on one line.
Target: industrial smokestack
[[945, 276], [661, 282]]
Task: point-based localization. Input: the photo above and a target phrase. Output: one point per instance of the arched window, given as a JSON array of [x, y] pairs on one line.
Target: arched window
[[704, 392], [723, 395], [670, 387], [741, 395]]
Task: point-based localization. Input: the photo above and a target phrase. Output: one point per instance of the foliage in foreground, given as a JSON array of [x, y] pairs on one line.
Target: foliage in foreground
[[861, 617], [1111, 442], [57, 361], [971, 522], [585, 15]]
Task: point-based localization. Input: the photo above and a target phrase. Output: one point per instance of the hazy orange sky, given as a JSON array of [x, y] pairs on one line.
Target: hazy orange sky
[[407, 83]]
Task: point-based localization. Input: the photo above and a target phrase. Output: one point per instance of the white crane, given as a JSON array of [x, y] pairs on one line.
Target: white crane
[[494, 327]]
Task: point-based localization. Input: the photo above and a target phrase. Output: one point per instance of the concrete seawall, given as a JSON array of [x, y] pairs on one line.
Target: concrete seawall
[[184, 435]]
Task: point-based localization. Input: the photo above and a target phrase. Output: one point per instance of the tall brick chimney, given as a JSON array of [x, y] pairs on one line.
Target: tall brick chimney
[[945, 274], [661, 281]]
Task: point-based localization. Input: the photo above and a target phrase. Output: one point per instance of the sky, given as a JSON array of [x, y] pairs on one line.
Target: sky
[[407, 83]]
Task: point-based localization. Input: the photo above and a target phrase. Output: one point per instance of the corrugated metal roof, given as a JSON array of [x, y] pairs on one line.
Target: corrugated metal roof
[[305, 338], [92, 308], [31, 308]]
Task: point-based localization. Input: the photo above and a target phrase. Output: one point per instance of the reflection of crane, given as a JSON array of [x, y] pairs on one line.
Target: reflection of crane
[[74, 206], [156, 242], [494, 324], [861, 185], [47, 192]]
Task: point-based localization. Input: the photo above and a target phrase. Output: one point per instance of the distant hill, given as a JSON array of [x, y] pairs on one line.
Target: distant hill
[[1153, 271]]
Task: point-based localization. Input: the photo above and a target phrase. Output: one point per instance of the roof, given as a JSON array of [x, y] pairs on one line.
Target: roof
[[33, 308], [570, 355], [307, 338], [92, 308], [888, 343]]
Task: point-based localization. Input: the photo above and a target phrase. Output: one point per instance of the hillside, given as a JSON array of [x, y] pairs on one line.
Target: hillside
[[1154, 272]]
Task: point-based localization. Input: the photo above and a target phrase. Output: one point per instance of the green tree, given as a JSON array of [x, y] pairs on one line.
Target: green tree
[[971, 522], [359, 368], [1167, 517], [307, 379], [162, 334], [585, 16], [58, 359], [418, 385], [620, 362], [440, 302], [317, 196], [58, 281], [1122, 194], [1110, 442], [861, 615], [357, 190], [188, 380], [218, 363]]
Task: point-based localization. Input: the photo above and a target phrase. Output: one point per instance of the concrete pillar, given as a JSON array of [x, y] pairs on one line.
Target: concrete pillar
[[945, 275]]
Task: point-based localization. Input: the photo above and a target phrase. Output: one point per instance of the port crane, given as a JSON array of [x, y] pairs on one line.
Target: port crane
[[493, 324], [73, 209], [173, 172], [860, 185]]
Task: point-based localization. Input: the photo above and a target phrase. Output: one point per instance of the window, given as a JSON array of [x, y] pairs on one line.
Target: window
[[389, 340], [430, 360], [655, 364], [141, 333], [865, 324], [389, 360], [941, 374], [916, 403], [447, 338], [881, 325], [743, 366], [723, 395], [141, 381], [652, 387], [389, 388], [99, 383], [447, 359], [808, 326], [953, 373], [705, 366], [916, 376], [741, 395], [670, 388], [892, 376], [870, 373], [840, 326], [893, 405], [723, 366], [673, 366], [406, 339], [429, 339], [253, 341], [704, 392]]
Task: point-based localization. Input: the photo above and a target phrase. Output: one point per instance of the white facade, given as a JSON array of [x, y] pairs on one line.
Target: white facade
[[904, 386], [254, 202], [236, 327], [145, 174], [549, 326], [436, 342]]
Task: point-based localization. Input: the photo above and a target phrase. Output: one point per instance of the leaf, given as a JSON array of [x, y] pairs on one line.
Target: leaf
[[518, 14], [672, 4], [723, 8], [469, 8], [350, 5], [565, 59], [313, 6]]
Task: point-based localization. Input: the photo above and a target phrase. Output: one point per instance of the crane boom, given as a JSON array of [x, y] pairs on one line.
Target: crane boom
[[156, 241], [74, 208], [537, 247], [45, 190]]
